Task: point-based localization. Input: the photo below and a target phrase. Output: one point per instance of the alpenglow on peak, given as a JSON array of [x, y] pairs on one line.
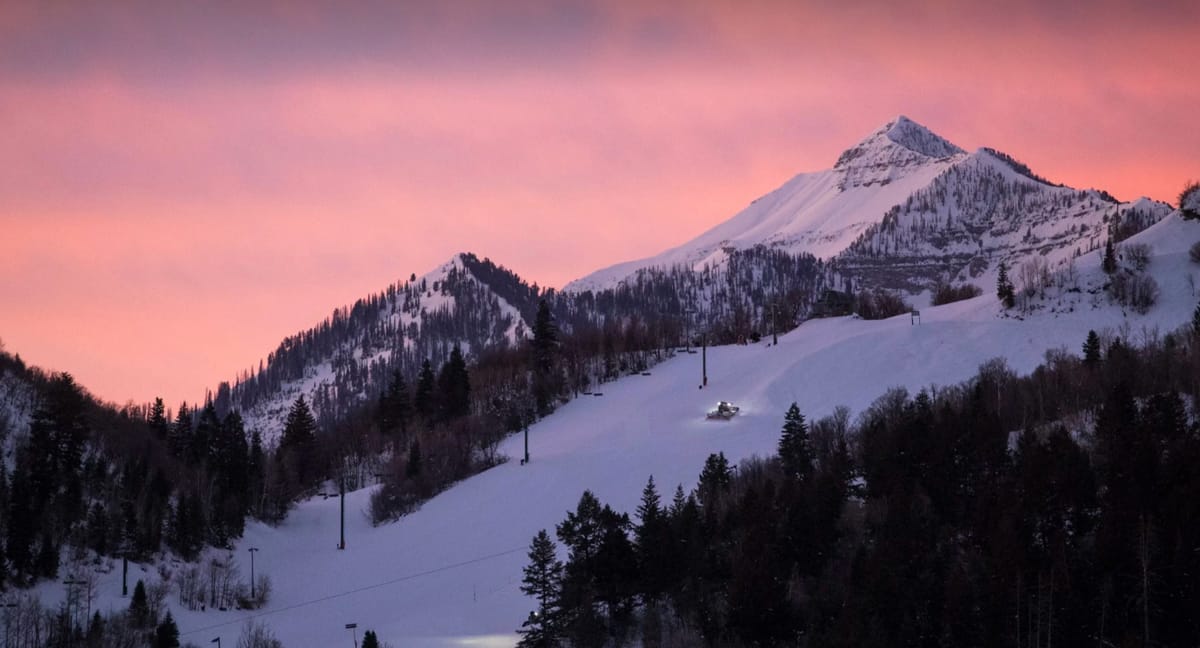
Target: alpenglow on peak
[[900, 132]]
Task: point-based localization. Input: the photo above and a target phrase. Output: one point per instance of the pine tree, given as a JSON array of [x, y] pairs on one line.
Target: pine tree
[[1004, 287], [370, 640], [166, 635], [256, 472], [651, 543], [1196, 321], [616, 570], [181, 433], [1091, 349], [22, 522], [542, 580], [547, 380], [795, 451], [580, 531], [649, 510], [714, 479], [454, 386], [423, 398], [158, 420], [139, 606], [394, 406], [299, 440], [1108, 263], [207, 430]]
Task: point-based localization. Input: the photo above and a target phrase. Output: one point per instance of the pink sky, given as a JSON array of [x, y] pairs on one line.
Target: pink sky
[[181, 188]]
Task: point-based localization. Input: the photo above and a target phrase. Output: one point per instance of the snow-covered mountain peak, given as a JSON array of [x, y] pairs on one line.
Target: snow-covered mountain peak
[[341, 362], [893, 151], [902, 133], [915, 137]]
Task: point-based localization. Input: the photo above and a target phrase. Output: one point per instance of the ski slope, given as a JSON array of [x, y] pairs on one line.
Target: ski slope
[[449, 574]]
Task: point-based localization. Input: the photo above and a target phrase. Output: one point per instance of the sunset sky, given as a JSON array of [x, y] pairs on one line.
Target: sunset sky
[[184, 184]]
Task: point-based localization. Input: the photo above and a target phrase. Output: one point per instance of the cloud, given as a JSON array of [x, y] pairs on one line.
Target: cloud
[[216, 176]]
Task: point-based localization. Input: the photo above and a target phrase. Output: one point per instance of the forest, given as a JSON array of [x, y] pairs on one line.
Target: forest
[[1057, 508]]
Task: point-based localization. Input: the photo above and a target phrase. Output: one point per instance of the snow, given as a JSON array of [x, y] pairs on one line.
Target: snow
[[1192, 202], [449, 574], [267, 416], [948, 211], [18, 400], [820, 213]]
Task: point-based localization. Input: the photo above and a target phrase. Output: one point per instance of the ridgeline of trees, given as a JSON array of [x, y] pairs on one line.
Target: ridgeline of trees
[[1054, 509]]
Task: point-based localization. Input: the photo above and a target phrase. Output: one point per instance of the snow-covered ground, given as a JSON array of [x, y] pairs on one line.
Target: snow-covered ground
[[448, 575]]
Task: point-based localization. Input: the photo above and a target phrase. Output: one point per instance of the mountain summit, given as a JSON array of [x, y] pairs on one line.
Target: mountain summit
[[890, 152], [904, 191], [907, 133]]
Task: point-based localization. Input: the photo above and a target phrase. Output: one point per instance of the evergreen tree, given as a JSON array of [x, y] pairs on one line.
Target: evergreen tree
[[454, 386], [1108, 263], [542, 580], [298, 442], [1196, 321], [187, 527], [256, 468], [181, 433], [139, 606], [714, 479], [580, 531], [423, 398], [229, 463], [22, 523], [1091, 349], [652, 543], [208, 429], [1004, 287], [370, 640], [616, 570], [547, 380], [649, 510], [394, 406], [795, 451], [158, 420], [166, 635]]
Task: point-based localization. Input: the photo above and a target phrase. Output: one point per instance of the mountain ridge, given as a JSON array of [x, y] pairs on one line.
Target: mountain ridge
[[825, 212]]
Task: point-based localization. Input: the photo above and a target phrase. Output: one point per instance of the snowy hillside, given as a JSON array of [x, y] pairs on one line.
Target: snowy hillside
[[820, 213], [985, 210], [448, 574], [349, 357], [18, 400], [904, 208]]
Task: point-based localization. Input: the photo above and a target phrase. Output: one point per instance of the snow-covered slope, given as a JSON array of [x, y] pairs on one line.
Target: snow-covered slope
[[449, 574], [905, 208], [985, 210], [343, 362], [821, 212], [18, 400]]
